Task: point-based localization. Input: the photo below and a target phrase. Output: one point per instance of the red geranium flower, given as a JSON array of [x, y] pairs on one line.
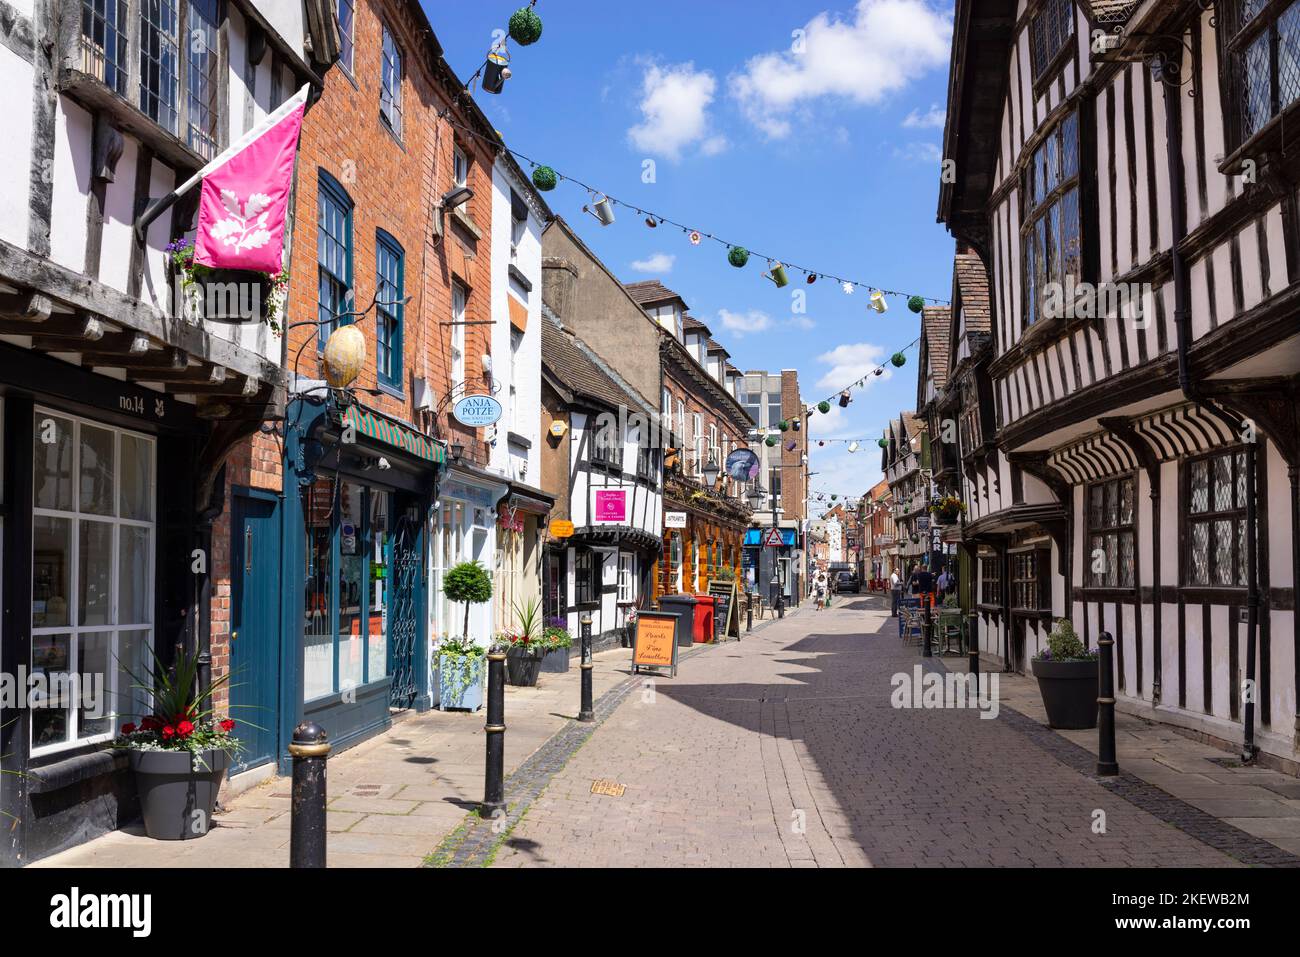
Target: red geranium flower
[[185, 729], [227, 725], [150, 724], [128, 728], [168, 731]]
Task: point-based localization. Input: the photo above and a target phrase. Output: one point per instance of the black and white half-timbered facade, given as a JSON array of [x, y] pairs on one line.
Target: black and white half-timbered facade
[[602, 460], [1130, 439], [118, 404]]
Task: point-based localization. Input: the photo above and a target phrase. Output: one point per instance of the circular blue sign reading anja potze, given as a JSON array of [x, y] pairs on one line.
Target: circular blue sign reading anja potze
[[477, 410]]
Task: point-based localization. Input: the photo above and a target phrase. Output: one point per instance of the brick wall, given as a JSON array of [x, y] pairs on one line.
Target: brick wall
[[794, 477]]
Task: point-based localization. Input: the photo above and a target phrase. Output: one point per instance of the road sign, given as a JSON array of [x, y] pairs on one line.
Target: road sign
[[773, 538]]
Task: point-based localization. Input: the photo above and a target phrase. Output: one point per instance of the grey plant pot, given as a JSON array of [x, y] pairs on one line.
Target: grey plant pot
[[175, 800], [1069, 690], [523, 668], [555, 661]]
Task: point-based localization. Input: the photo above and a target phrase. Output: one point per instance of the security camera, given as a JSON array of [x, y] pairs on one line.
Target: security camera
[[383, 464]]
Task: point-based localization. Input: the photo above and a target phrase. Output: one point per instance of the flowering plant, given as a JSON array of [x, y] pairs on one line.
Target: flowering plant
[[459, 646], [556, 636], [191, 274], [948, 508], [182, 719]]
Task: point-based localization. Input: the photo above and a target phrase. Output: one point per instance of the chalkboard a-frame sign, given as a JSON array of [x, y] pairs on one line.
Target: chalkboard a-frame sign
[[726, 615], [655, 643]]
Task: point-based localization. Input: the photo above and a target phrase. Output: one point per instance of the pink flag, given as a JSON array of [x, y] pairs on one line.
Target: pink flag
[[245, 196]]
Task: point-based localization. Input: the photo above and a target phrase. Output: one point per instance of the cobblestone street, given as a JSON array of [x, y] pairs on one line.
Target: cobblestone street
[[784, 750]]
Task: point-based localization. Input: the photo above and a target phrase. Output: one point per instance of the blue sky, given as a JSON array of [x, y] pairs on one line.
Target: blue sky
[[820, 148]]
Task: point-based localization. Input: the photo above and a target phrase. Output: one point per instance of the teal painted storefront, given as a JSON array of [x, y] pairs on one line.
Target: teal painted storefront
[[355, 570]]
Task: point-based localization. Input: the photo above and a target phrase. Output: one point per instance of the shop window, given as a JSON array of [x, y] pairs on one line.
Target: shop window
[[348, 552], [607, 447], [586, 577], [390, 290], [333, 256], [1216, 520], [92, 578], [1031, 580], [1111, 557], [554, 597]]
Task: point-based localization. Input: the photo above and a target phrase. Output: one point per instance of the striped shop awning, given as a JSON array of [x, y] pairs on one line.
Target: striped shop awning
[[383, 429], [1094, 457], [1184, 430]]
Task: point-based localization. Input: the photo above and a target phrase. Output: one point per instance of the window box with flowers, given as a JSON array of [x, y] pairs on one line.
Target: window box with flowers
[[204, 294], [180, 752]]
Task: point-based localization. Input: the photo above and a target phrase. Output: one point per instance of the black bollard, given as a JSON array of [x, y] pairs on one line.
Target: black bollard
[[973, 647], [772, 590], [1107, 766], [586, 712], [927, 627], [749, 614], [309, 749], [494, 781]]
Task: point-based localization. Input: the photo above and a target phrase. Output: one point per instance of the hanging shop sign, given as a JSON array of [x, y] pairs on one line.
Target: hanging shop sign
[[674, 519], [655, 643], [561, 528], [611, 506], [477, 410], [742, 465]]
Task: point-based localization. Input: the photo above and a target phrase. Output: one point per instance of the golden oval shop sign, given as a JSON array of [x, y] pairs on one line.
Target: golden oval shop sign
[[561, 528]]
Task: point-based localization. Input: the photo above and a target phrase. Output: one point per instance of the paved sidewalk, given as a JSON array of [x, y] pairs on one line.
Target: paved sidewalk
[[392, 799]]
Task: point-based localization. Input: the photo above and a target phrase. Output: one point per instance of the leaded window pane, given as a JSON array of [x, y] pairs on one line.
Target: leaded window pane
[[1241, 551], [1200, 554], [1241, 480], [1127, 563], [1126, 502], [1222, 483], [1112, 504], [159, 55], [1096, 495], [1200, 486], [1288, 56], [1223, 541]]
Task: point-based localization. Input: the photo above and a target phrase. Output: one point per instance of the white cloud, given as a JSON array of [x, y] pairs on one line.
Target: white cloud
[[675, 112], [655, 263], [933, 118], [744, 323], [886, 45], [850, 362], [916, 152]]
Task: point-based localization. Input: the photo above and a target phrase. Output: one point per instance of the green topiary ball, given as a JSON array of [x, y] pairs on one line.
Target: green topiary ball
[[899, 360], [738, 256], [544, 178], [525, 26], [823, 406], [770, 440], [784, 426], [883, 443], [916, 303], [468, 582]]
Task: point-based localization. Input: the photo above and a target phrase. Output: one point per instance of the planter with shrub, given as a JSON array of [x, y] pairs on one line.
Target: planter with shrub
[[1067, 679]]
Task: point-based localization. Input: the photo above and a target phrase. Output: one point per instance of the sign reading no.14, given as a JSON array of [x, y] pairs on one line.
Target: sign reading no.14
[[477, 410]]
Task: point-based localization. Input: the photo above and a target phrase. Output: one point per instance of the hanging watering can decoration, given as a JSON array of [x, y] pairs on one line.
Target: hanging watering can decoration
[[878, 301], [601, 209], [497, 70], [845, 399], [777, 274], [797, 425]]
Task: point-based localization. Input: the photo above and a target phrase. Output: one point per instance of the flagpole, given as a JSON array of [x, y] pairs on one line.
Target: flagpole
[[159, 206]]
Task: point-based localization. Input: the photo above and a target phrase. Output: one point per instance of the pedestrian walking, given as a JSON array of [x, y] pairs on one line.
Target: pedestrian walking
[[945, 581], [921, 584], [895, 591]]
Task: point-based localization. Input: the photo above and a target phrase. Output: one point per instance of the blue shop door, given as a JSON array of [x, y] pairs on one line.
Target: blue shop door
[[255, 628]]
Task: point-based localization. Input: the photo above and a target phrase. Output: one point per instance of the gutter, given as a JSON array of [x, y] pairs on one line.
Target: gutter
[[1190, 389]]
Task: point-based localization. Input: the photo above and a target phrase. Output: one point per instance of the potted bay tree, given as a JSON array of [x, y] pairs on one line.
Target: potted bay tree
[[1067, 679], [462, 661]]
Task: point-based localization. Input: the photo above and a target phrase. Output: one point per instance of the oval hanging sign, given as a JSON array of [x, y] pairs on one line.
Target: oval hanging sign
[[561, 528], [477, 410]]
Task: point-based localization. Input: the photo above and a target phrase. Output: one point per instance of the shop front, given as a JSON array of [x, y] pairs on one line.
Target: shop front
[[764, 561], [95, 575], [356, 538], [465, 519]]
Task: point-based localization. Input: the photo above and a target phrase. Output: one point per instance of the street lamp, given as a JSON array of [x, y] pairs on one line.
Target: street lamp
[[711, 472], [755, 496]]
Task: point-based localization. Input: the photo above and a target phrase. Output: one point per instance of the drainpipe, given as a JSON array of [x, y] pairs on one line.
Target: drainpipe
[[1182, 326]]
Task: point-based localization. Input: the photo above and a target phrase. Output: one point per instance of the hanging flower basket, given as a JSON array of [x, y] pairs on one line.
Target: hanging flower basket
[[545, 178], [525, 26], [947, 510], [738, 256], [226, 295]]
